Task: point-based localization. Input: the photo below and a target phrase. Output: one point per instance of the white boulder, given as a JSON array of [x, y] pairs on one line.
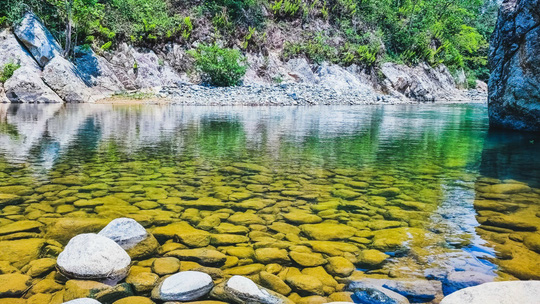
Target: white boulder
[[92, 256], [184, 286], [510, 292]]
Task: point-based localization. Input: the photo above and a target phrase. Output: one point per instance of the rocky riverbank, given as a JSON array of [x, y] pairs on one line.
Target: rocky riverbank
[[290, 94], [47, 77]]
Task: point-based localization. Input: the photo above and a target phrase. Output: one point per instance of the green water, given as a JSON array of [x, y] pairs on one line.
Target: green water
[[426, 185]]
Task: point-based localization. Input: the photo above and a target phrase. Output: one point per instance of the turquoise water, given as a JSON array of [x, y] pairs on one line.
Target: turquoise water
[[405, 179]]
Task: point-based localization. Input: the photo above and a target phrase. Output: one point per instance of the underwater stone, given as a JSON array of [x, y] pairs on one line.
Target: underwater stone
[[184, 286], [242, 290], [203, 256], [83, 301], [300, 217], [457, 280], [13, 284], [339, 266], [131, 236], [497, 292], [328, 231], [272, 255], [21, 252], [368, 293], [274, 283], [308, 259], [10, 199]]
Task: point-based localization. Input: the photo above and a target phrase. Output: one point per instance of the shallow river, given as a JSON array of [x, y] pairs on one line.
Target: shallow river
[[404, 192]]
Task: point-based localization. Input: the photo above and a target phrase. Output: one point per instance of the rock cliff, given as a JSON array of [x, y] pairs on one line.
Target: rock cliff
[[514, 86]]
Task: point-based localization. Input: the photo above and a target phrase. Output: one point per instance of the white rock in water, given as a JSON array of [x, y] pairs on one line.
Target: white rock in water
[[243, 290], [245, 286], [511, 292], [125, 232], [184, 286], [92, 256], [82, 301]]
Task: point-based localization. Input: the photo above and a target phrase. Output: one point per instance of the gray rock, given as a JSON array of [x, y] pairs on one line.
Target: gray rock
[[26, 86], [13, 51], [417, 291], [62, 76], [373, 293], [150, 71], [37, 38], [301, 71], [125, 232], [131, 236], [184, 286], [514, 59], [97, 72], [497, 292], [457, 280], [3, 97], [339, 79], [83, 301], [422, 83], [92, 256], [241, 290]]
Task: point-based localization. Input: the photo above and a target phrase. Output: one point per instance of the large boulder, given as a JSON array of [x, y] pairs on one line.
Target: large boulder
[[62, 76], [13, 51], [26, 86], [97, 72], [37, 39], [92, 256], [514, 59], [141, 68], [421, 83], [497, 292]]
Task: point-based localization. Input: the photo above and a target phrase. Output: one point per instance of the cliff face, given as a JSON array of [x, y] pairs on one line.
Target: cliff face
[[514, 86]]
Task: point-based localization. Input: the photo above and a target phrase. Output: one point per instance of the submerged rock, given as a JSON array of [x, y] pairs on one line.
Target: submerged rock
[[368, 293], [13, 284], [83, 301], [457, 280], [131, 236], [497, 292], [242, 290], [21, 252], [91, 256], [184, 286], [514, 58]]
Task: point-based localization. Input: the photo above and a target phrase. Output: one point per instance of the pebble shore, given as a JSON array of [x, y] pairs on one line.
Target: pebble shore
[[290, 94]]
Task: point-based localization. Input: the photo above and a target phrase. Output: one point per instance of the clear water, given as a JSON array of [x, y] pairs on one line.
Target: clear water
[[327, 161]]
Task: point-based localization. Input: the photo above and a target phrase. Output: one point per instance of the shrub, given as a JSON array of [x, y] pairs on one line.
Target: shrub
[[220, 66], [7, 71]]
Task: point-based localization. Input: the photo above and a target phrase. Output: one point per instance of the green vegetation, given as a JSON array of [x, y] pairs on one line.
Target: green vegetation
[[221, 66], [7, 71], [345, 32]]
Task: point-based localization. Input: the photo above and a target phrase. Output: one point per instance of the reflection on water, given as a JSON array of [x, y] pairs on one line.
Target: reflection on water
[[411, 182]]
